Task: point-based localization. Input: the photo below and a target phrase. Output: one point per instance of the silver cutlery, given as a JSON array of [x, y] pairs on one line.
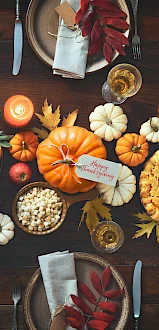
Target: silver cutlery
[[16, 295], [137, 292], [136, 48], [18, 41]]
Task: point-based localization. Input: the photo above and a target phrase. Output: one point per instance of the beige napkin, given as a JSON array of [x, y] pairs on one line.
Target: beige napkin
[[59, 277], [71, 50]]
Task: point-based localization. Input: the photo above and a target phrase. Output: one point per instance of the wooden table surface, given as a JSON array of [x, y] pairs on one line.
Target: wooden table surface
[[36, 81]]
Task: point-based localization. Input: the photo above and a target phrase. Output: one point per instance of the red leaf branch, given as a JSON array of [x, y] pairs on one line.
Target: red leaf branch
[[105, 25]]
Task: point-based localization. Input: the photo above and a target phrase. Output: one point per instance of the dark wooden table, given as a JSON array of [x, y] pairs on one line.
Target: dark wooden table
[[36, 81]]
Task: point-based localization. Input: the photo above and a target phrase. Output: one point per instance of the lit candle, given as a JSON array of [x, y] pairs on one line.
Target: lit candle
[[18, 111]]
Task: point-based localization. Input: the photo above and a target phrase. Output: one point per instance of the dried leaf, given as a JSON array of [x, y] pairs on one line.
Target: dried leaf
[[108, 306], [157, 232], [96, 32], [116, 45], [98, 324], [81, 304], [95, 279], [74, 313], [142, 216], [112, 293], [40, 132], [108, 52], [111, 11], [106, 275], [103, 317], [115, 22], [90, 213], [87, 293], [79, 16], [146, 228], [49, 119], [70, 120], [84, 4], [94, 47], [73, 322], [116, 35]]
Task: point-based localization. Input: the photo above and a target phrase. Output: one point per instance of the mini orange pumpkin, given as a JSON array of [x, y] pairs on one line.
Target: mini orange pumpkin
[[24, 146], [132, 149], [58, 154]]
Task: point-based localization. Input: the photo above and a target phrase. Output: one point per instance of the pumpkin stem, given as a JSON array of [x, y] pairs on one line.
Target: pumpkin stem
[[136, 148], [67, 161], [109, 122], [24, 145], [155, 128], [117, 184]]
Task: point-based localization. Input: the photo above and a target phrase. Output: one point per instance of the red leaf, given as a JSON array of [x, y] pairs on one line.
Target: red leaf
[[103, 317], [112, 293], [96, 32], [116, 35], [111, 12], [108, 306], [108, 52], [79, 16], [74, 313], [95, 47], [87, 293], [81, 304], [116, 45], [101, 3], [106, 276], [116, 22], [87, 25], [96, 281], [74, 323], [84, 4], [98, 324]]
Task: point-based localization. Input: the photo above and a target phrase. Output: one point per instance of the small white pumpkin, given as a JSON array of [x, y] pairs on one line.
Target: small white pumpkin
[[150, 129], [6, 229], [108, 121], [122, 192]]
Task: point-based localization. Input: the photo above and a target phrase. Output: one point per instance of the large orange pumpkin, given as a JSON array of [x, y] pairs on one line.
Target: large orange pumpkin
[[24, 146], [132, 149], [59, 152]]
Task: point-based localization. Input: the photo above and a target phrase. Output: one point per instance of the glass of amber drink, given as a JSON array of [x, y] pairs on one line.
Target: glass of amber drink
[[107, 236], [123, 81]]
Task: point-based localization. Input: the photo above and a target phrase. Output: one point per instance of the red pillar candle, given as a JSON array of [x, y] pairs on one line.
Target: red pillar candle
[[18, 111]]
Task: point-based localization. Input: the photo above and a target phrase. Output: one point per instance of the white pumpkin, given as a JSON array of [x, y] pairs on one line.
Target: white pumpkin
[[150, 129], [108, 121], [122, 192], [6, 229]]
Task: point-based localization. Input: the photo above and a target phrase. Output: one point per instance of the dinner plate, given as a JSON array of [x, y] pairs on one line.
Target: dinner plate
[[36, 308], [42, 19]]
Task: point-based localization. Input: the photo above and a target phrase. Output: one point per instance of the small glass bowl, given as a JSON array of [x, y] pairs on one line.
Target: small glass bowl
[[107, 237]]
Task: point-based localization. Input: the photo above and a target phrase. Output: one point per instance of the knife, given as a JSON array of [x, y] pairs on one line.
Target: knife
[[18, 41], [137, 292]]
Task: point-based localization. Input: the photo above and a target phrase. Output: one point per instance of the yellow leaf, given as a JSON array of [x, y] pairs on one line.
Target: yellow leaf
[[91, 220], [101, 208], [41, 133], [71, 118], [146, 228], [157, 232], [142, 216], [49, 119], [90, 213]]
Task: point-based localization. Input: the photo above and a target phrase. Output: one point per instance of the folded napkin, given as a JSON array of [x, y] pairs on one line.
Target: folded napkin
[[71, 50], [59, 277]]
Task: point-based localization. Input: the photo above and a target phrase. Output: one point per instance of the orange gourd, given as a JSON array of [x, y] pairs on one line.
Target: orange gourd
[[58, 154], [132, 149], [24, 146]]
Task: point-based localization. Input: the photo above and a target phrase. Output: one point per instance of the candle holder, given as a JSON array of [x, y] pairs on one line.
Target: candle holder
[[107, 236], [18, 111]]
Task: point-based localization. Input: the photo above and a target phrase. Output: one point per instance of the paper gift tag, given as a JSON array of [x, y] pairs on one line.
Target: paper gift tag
[[98, 170], [67, 13]]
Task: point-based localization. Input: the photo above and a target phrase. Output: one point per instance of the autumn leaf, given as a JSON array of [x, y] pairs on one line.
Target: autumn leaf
[[49, 119], [146, 228], [142, 216], [90, 213], [70, 120], [40, 132]]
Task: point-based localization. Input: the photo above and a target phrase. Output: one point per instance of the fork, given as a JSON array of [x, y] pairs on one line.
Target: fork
[[135, 39], [16, 295]]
